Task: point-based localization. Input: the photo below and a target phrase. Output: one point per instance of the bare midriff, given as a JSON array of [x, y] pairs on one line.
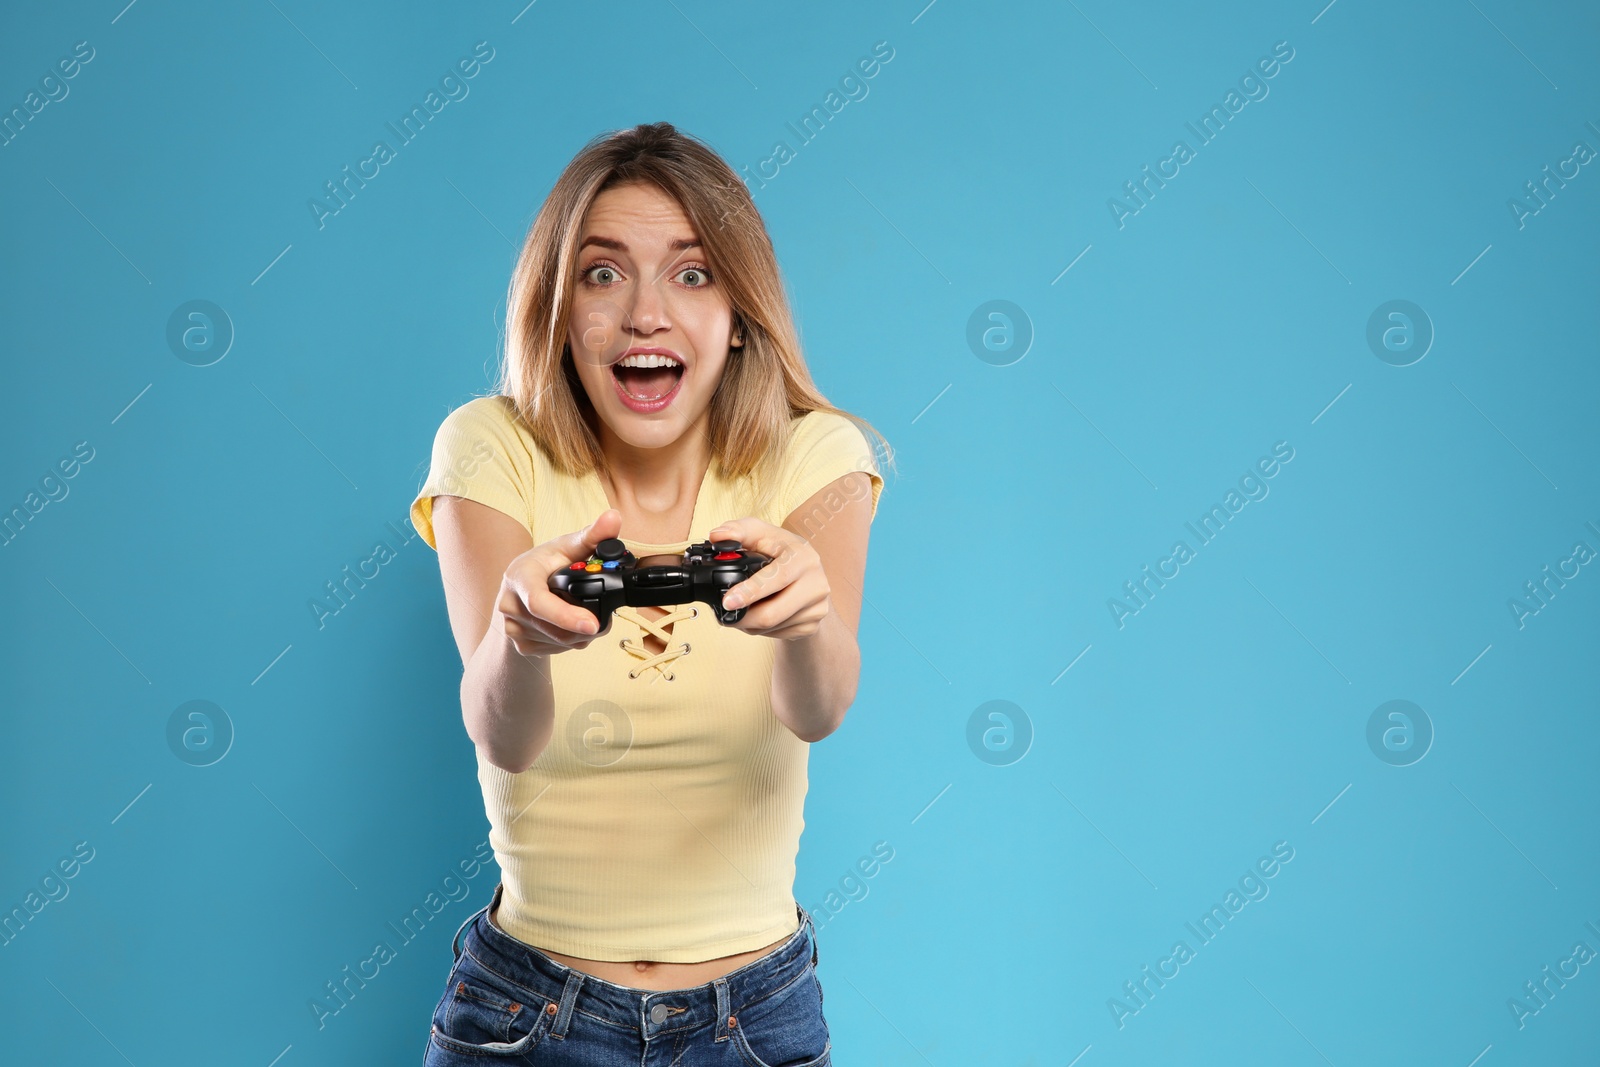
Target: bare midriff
[[652, 975]]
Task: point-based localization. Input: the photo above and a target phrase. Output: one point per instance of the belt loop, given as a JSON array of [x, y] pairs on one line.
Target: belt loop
[[806, 920], [569, 997], [724, 1008]]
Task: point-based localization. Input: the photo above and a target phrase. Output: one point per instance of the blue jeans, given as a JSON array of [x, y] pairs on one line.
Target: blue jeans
[[507, 1002]]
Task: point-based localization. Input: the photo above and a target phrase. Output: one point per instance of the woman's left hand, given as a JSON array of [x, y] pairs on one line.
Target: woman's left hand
[[790, 596]]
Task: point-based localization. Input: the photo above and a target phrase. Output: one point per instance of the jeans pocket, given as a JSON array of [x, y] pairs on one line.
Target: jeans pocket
[[483, 1014], [786, 1029]]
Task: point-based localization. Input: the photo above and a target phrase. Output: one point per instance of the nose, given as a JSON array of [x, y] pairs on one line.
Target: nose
[[646, 309]]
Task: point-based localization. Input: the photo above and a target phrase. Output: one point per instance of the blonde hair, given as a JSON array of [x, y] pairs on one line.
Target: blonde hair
[[765, 382]]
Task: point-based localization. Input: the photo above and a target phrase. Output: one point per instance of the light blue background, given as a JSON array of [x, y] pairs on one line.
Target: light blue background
[[1227, 315]]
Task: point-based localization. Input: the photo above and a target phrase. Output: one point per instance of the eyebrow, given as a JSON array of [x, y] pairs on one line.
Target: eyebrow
[[676, 245]]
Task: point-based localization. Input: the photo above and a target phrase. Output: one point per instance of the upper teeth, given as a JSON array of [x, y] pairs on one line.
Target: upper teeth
[[647, 361]]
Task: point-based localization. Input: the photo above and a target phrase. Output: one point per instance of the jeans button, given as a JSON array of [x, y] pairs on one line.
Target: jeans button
[[659, 1013]]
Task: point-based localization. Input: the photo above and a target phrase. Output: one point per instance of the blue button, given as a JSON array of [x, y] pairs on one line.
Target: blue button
[[610, 564]]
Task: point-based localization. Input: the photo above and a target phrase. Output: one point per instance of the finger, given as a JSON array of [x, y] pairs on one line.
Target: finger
[[524, 637], [802, 623], [581, 544], [572, 548], [764, 583], [757, 536], [775, 543], [569, 617], [543, 633], [728, 531], [790, 631], [776, 612], [536, 604]]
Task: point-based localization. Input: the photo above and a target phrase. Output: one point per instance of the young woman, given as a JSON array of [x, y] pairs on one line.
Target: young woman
[[645, 786]]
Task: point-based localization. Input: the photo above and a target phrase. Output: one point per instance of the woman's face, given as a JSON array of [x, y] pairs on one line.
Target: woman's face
[[644, 283]]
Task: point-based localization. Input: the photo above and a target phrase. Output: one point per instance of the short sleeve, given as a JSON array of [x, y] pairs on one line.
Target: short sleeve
[[824, 446], [479, 453]]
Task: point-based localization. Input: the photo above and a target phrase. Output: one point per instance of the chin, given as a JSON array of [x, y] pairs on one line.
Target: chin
[[655, 430]]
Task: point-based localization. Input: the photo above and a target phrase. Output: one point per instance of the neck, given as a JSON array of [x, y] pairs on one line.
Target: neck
[[656, 480]]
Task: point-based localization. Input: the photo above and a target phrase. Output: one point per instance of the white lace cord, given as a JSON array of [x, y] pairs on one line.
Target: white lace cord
[[657, 628]]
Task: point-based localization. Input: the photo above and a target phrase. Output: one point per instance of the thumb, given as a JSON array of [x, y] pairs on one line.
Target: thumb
[[609, 524]]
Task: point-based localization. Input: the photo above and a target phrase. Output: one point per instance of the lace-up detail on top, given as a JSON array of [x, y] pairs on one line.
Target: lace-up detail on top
[[660, 629]]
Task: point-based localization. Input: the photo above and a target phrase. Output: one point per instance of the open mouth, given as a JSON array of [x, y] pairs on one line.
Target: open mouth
[[647, 379]]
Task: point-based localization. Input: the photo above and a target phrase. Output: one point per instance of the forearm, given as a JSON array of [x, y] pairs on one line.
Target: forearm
[[507, 702], [814, 679]]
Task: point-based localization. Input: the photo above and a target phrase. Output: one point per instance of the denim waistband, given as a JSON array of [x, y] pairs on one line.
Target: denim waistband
[[649, 1012]]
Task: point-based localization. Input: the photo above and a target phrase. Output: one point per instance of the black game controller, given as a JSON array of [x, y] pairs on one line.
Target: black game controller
[[613, 576]]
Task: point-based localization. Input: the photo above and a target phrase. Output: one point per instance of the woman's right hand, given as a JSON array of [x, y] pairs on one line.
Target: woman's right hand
[[538, 622]]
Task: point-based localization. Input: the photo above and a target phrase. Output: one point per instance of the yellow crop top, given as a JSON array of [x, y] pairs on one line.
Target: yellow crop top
[[663, 819]]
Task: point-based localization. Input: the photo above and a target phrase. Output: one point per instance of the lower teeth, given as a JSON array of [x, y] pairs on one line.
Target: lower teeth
[[644, 399]]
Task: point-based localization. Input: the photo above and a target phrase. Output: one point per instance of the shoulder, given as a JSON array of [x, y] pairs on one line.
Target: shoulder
[[482, 451], [824, 432], [495, 415], [823, 446], [485, 430]]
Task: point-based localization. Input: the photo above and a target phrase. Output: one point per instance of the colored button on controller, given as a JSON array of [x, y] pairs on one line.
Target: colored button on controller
[[727, 555], [593, 566], [578, 566]]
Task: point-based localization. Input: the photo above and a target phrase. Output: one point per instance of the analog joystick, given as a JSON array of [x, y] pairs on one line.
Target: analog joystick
[[611, 548]]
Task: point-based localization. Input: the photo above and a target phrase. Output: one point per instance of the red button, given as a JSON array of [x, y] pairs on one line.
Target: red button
[[577, 566], [727, 555]]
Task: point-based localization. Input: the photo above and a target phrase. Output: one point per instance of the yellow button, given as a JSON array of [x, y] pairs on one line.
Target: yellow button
[[593, 566]]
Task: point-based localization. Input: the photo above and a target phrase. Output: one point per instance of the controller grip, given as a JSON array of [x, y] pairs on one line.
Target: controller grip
[[561, 585]]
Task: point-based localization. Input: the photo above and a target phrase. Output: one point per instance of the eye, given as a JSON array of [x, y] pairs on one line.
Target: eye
[[593, 268], [702, 276]]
